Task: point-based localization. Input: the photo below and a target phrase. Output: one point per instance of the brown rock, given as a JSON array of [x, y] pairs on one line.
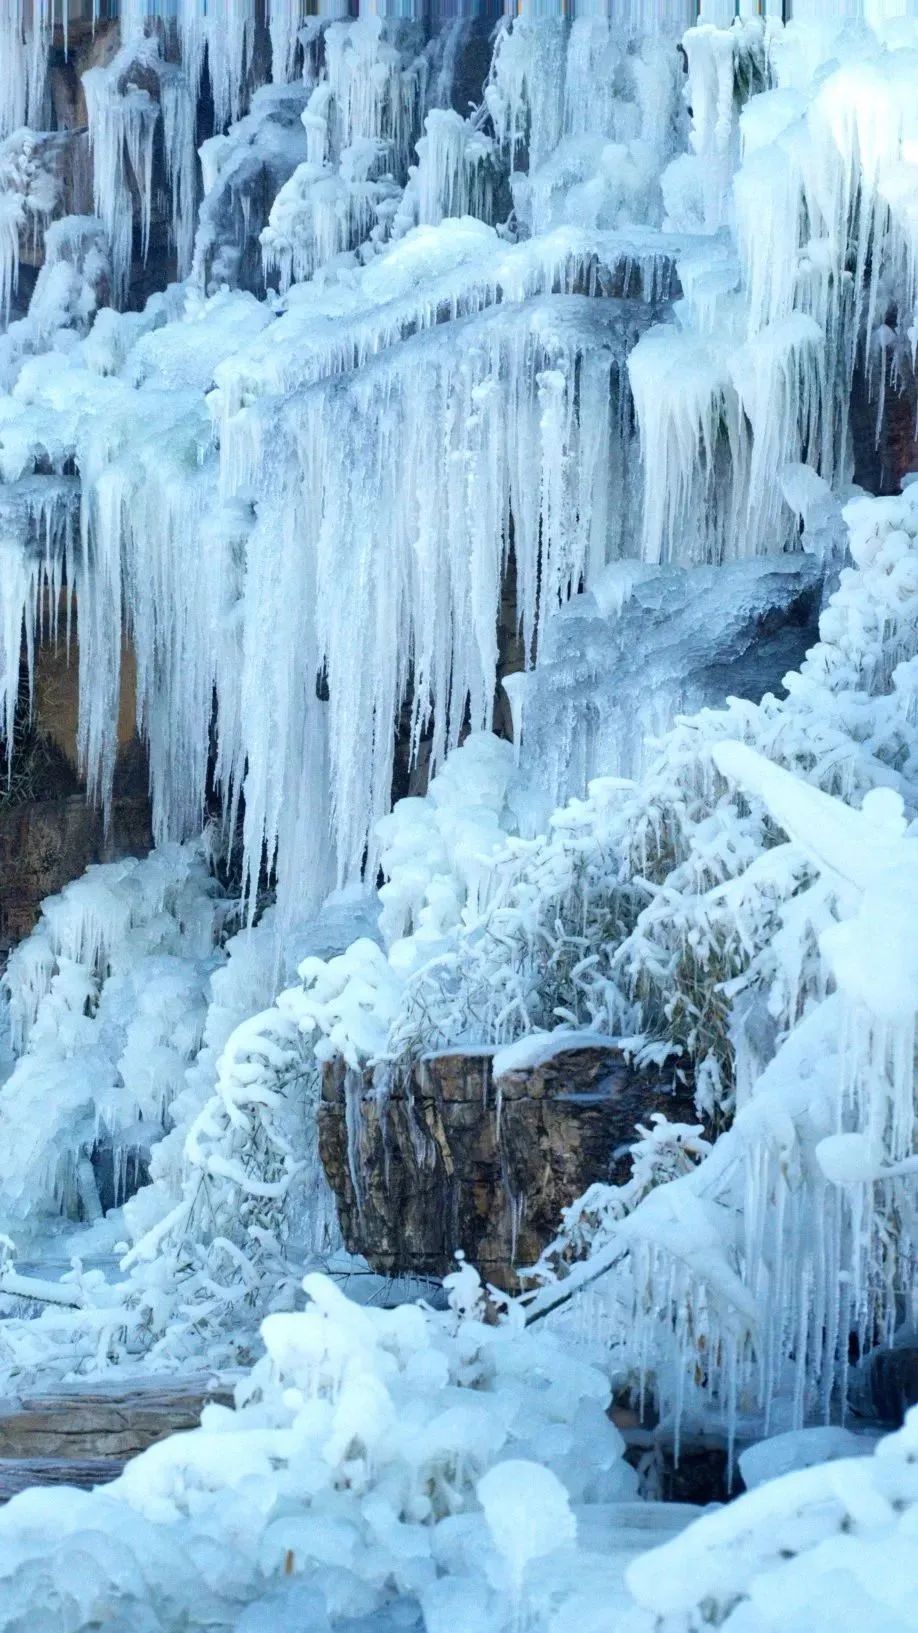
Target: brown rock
[[110, 1425], [47, 843], [444, 1159], [21, 1473], [50, 831]]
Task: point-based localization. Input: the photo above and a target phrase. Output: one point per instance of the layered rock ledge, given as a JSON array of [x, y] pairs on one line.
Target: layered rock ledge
[[453, 1157]]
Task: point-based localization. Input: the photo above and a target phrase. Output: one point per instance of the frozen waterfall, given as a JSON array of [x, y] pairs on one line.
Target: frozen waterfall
[[376, 387]]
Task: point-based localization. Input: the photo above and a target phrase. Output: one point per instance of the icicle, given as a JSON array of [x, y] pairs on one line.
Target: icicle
[[690, 431], [122, 125], [25, 32], [177, 100], [455, 169]]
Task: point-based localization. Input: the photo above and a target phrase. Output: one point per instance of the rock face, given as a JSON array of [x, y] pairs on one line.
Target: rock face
[[449, 1159], [83, 1436], [103, 1423], [46, 843], [893, 1377], [50, 831]]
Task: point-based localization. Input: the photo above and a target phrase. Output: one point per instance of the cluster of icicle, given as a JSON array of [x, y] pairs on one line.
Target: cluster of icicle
[[428, 448], [824, 208], [368, 454], [105, 1002], [224, 35]]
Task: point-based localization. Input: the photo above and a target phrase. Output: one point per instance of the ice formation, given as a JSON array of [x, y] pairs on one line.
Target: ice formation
[[828, 1542], [569, 351], [361, 1476], [106, 1009], [219, 414], [229, 435]]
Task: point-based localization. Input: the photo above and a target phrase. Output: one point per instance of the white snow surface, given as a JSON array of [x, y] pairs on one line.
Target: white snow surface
[[537, 1048], [826, 1547]]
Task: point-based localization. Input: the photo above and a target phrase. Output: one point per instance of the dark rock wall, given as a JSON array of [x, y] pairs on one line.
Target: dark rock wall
[[50, 831], [449, 1160]]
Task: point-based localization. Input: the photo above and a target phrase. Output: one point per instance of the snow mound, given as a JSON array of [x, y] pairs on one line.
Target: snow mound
[[830, 1546]]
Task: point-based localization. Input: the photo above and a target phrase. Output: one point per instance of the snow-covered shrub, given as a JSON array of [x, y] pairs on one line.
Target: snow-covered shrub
[[674, 911], [376, 1461], [232, 1200], [443, 1472], [668, 909], [659, 1155]]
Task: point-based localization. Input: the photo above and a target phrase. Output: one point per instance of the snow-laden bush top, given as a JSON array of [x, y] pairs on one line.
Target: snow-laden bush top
[[665, 907], [402, 1469], [345, 1485]]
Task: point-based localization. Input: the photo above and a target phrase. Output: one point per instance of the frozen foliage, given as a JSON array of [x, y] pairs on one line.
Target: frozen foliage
[[668, 911], [626, 918], [429, 1468], [666, 845], [153, 1066], [440, 1472]]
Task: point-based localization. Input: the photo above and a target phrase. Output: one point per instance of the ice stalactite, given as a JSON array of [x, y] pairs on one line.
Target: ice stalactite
[[303, 511], [690, 428], [455, 169], [870, 1247], [336, 397], [424, 570], [43, 512], [817, 182], [156, 73], [25, 31], [722, 64], [716, 423], [122, 124], [593, 109], [127, 102]]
